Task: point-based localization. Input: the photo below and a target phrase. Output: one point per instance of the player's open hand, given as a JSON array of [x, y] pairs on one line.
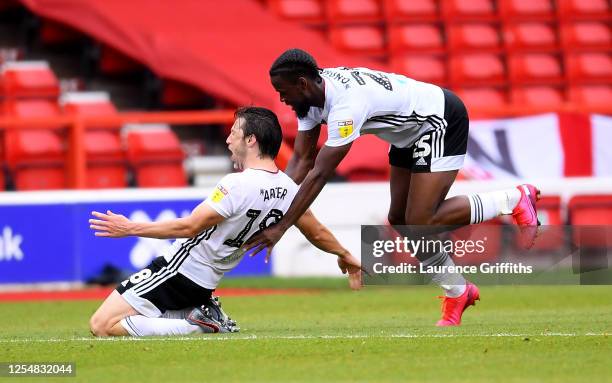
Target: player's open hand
[[110, 224], [265, 239], [352, 266]]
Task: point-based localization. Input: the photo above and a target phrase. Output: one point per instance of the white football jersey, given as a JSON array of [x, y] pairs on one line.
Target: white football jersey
[[250, 201], [360, 101]]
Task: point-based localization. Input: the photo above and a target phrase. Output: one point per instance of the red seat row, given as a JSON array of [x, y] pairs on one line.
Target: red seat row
[[471, 38], [552, 96], [482, 37], [375, 11], [519, 70]]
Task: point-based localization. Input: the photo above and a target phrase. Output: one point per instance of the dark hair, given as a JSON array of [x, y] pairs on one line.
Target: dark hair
[[294, 63], [264, 125]]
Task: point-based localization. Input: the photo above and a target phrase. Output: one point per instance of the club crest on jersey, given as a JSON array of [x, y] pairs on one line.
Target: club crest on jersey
[[218, 194], [345, 128]]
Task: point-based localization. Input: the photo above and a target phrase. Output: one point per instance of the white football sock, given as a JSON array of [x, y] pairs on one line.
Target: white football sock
[[140, 325], [452, 283], [176, 314], [485, 206]]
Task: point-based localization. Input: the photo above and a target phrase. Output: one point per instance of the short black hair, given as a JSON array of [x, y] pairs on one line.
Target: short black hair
[[294, 63], [264, 125]]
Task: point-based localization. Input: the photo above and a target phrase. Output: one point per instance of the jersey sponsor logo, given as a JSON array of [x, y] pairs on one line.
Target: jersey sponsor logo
[[277, 192], [345, 128], [218, 194], [421, 162], [146, 249], [10, 245]]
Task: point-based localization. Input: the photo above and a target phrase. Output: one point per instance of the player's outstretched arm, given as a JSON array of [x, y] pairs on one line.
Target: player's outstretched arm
[[116, 225], [304, 154], [322, 238]]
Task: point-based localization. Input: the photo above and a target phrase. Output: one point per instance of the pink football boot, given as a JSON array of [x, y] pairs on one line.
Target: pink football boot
[[453, 308], [525, 215]]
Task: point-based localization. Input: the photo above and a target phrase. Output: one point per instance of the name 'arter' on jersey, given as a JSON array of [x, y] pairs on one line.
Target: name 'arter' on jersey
[[276, 192]]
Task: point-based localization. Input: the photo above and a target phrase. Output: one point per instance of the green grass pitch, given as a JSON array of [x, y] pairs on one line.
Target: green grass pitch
[[514, 334]]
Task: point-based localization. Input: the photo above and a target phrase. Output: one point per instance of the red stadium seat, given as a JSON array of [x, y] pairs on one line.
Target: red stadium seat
[[590, 68], [35, 157], [32, 108], [157, 158], [89, 104], [584, 9], [477, 69], [521, 10], [468, 10], [366, 40], [106, 161], [551, 233], [591, 210], [2, 166], [586, 35], [353, 11], [538, 95], [482, 97], [591, 94], [304, 11], [530, 37], [535, 69], [28, 79], [473, 37], [549, 210], [424, 38], [410, 10], [424, 68], [36, 160]]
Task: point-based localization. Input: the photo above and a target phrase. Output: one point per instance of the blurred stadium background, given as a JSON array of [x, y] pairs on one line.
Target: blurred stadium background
[[125, 105], [100, 95]]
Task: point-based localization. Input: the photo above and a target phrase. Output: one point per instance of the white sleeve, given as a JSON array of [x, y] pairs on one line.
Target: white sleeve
[[344, 123], [312, 119], [226, 197]]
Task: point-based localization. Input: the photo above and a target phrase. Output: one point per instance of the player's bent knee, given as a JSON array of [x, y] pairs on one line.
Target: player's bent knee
[[98, 326]]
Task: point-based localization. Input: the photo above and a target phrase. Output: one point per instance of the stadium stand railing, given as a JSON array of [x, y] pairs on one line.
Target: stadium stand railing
[[76, 127]]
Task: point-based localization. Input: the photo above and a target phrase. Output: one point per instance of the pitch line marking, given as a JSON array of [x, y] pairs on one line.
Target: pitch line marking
[[295, 337]]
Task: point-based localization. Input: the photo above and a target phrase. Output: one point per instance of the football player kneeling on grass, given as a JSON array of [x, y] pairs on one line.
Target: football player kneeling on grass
[[174, 294]]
